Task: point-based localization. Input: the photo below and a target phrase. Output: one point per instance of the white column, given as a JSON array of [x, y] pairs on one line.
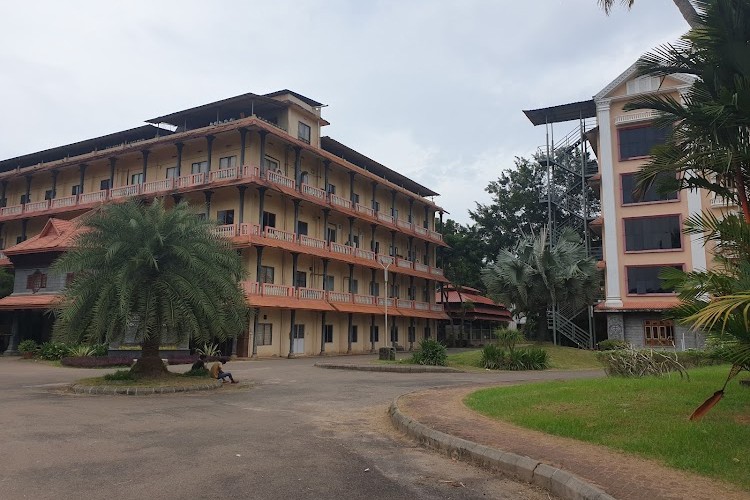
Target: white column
[[609, 202], [697, 250]]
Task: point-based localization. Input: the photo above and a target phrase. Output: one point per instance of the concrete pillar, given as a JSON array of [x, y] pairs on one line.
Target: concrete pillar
[[54, 184], [297, 167], [351, 187], [210, 149], [296, 218], [28, 188], [261, 206], [350, 332], [179, 147], [262, 135], [292, 320], [351, 232], [145, 153], [326, 213], [243, 145], [241, 191], [323, 334], [254, 353], [208, 195], [15, 336], [372, 239], [112, 163]]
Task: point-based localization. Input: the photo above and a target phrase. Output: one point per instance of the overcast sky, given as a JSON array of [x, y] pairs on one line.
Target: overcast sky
[[431, 88]]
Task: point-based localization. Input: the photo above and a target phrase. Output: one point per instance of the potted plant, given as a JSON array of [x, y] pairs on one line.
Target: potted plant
[[28, 348]]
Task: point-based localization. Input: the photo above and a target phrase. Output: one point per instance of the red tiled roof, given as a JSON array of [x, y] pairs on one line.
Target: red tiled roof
[[29, 301], [56, 236]]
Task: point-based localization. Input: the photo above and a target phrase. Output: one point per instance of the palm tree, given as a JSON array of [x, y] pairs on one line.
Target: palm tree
[[709, 146], [156, 274], [534, 275], [686, 8]]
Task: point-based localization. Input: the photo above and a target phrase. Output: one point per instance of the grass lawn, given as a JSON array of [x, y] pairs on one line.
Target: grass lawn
[[561, 358], [646, 416]]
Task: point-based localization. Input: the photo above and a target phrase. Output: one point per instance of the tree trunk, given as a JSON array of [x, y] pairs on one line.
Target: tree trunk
[[150, 364], [739, 181], [542, 332], [688, 12]]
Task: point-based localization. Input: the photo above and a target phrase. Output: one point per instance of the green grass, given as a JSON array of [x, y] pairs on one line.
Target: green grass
[[561, 358], [646, 416]]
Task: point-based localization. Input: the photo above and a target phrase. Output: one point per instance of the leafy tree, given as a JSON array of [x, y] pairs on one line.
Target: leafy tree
[[685, 7], [710, 144], [534, 275], [6, 282], [160, 273], [464, 258]]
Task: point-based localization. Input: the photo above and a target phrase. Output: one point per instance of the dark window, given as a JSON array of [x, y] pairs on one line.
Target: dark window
[[652, 233], [25, 199], [328, 334], [331, 189], [298, 331], [301, 280], [48, 194], [658, 332], [376, 206], [304, 178], [394, 333], [332, 234], [427, 332], [638, 142], [36, 281], [355, 198], [412, 290], [377, 247], [302, 228], [171, 172], [264, 334], [352, 285], [227, 162], [394, 213], [328, 283], [271, 164], [19, 239], [266, 274], [629, 195], [374, 333], [375, 289], [392, 250], [643, 280], [394, 290], [303, 132], [225, 217], [426, 294], [412, 333], [136, 178], [355, 241], [354, 333], [77, 189], [199, 167], [104, 185], [269, 219]]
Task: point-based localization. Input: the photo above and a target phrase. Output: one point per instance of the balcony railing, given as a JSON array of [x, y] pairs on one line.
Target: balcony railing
[[367, 300], [278, 178], [95, 197], [385, 217], [436, 307], [225, 231], [406, 264], [278, 234], [158, 186], [436, 271], [67, 201], [383, 301], [364, 210], [344, 249], [405, 304], [269, 289], [422, 306], [404, 224], [12, 210], [436, 236], [341, 202], [191, 180], [313, 191], [37, 206], [224, 174], [246, 229], [421, 230], [311, 294], [421, 267], [311, 242], [339, 297], [125, 191], [364, 254]]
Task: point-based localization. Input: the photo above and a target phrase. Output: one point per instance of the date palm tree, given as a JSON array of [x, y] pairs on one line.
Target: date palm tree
[[686, 8], [144, 272], [534, 275]]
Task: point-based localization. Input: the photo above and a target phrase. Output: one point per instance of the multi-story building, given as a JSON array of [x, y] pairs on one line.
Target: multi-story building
[[315, 221]]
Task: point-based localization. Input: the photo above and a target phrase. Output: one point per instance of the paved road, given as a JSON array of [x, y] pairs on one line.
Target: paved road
[[297, 432]]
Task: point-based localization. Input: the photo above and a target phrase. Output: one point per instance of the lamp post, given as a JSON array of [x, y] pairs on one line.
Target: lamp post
[[385, 267]]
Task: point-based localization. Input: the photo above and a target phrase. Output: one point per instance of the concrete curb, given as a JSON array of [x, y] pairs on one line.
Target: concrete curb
[[389, 368], [557, 481], [143, 391]]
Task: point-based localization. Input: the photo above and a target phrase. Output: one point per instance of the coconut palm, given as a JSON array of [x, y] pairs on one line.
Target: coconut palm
[[709, 146], [686, 8], [534, 275], [150, 273]]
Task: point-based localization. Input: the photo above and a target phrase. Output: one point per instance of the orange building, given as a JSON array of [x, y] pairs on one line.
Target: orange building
[[315, 221]]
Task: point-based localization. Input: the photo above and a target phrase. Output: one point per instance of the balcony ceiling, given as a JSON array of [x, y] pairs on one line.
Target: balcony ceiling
[[562, 113]]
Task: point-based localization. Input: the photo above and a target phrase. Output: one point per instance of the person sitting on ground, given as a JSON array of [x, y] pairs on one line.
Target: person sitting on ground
[[218, 373], [200, 364]]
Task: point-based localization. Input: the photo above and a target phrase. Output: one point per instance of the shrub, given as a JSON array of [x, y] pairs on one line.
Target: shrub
[[53, 351], [28, 345], [80, 350], [120, 375], [695, 358], [200, 372], [96, 361], [639, 363], [493, 357], [100, 349], [613, 345], [431, 352], [531, 358], [508, 338], [209, 350]]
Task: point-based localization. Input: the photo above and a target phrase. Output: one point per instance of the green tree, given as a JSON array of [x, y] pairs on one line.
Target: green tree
[[709, 146], [686, 8], [534, 275], [6, 282], [464, 258], [156, 273]]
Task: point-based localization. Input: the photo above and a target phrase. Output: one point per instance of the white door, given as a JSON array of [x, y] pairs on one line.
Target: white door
[[298, 339]]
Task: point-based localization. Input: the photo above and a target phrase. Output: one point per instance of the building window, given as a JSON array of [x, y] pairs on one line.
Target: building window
[[412, 290], [328, 283], [264, 334], [331, 234], [394, 290], [303, 132], [355, 241], [269, 219], [48, 194], [374, 333], [638, 142], [427, 332], [328, 334], [629, 195], [171, 172], [301, 280], [272, 164], [426, 294], [653, 233], [377, 247], [304, 178], [351, 285], [394, 212], [331, 189], [298, 331], [394, 333], [412, 334], [392, 250], [227, 162], [266, 274], [644, 280], [302, 228], [104, 185], [376, 206], [375, 289], [199, 167], [355, 334], [75, 190], [36, 281], [136, 178], [225, 217], [355, 198], [658, 332]]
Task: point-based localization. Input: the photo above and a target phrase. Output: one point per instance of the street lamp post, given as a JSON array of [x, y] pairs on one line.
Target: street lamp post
[[385, 267]]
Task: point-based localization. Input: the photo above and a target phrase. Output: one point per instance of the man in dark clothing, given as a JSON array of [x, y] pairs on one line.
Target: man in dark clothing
[[200, 364]]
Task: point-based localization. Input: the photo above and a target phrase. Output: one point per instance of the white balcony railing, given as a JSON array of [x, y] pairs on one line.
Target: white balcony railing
[[340, 202], [12, 210], [246, 229], [364, 210], [250, 171], [223, 174], [421, 306], [311, 294], [340, 248], [436, 236], [364, 254], [278, 234], [421, 231], [403, 224], [313, 191], [191, 180], [720, 201], [421, 267], [158, 186], [406, 264], [225, 231], [36, 206], [436, 271], [311, 242], [67, 201], [125, 191], [436, 307], [405, 304], [278, 178], [269, 289], [385, 217], [95, 197], [383, 301], [339, 297], [366, 300]]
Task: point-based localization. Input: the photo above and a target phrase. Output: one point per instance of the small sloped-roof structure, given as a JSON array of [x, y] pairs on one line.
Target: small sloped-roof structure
[[56, 236], [481, 308]]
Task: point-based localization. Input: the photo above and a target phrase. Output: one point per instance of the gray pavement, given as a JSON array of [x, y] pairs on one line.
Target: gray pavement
[[297, 431]]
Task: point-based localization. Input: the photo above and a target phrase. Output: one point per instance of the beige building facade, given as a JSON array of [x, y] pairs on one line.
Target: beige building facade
[[315, 221]]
